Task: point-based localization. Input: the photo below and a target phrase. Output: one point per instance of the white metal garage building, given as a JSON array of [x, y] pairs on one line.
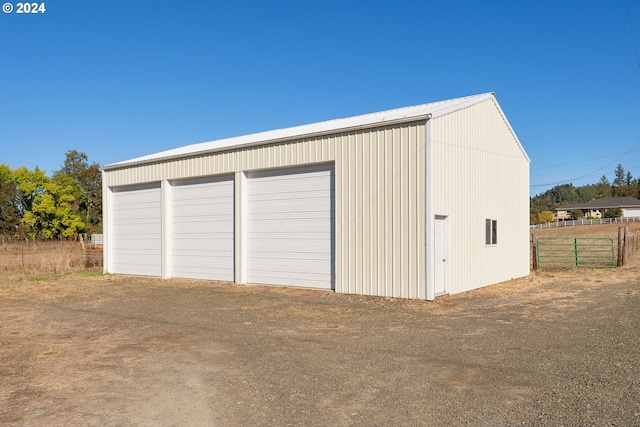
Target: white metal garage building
[[413, 202]]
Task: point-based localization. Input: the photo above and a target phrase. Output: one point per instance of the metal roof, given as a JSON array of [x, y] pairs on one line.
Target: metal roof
[[398, 115], [605, 203]]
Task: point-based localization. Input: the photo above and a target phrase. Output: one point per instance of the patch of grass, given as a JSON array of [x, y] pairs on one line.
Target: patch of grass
[[40, 278], [89, 273], [42, 334], [15, 332], [49, 352]]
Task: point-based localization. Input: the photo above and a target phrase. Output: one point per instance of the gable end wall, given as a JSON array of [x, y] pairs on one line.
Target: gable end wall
[[481, 172]]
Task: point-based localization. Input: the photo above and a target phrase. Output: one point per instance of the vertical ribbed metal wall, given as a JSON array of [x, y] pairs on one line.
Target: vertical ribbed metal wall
[[481, 173], [380, 219]]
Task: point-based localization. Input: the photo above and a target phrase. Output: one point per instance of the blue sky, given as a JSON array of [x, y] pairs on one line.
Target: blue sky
[[118, 80]]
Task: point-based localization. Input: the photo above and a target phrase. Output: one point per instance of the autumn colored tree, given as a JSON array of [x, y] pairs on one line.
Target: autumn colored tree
[[545, 216], [30, 185], [52, 213], [70, 203]]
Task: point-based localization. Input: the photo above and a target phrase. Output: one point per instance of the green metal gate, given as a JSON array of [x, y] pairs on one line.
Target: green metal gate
[[586, 252]]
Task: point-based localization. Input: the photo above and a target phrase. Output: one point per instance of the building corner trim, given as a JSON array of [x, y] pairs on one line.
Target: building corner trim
[[429, 215]]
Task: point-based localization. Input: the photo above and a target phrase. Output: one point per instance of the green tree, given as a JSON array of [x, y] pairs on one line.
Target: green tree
[[604, 187], [87, 189], [9, 213], [91, 182], [589, 192], [613, 213], [74, 163], [625, 191], [619, 179], [533, 218], [628, 180]]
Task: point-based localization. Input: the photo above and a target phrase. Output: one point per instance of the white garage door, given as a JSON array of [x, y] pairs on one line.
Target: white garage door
[[631, 213], [290, 222], [137, 230], [202, 229]]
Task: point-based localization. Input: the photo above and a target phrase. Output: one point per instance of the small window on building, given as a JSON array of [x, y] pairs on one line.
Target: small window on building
[[491, 232]]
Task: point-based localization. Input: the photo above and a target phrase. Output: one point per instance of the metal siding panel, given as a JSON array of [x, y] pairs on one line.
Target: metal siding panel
[[381, 210], [365, 197], [352, 204], [383, 213], [340, 284], [396, 209], [421, 204], [278, 155], [373, 285], [344, 283], [412, 217], [389, 201], [481, 173], [405, 197], [355, 219]]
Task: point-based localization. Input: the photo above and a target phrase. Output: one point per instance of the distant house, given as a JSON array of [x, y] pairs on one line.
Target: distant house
[[630, 207]]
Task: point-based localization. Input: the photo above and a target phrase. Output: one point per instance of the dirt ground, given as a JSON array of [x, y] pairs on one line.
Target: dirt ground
[[559, 347]]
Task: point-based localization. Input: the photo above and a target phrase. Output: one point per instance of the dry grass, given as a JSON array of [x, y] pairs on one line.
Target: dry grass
[[600, 230], [49, 257]]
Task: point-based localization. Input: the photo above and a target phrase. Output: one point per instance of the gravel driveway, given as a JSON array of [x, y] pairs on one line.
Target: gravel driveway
[[557, 348]]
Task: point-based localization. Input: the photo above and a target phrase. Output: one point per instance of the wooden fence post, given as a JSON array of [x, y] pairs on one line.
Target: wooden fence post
[[620, 245], [625, 246], [534, 253]]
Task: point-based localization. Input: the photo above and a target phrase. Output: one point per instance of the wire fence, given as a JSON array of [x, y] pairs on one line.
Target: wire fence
[[48, 256]]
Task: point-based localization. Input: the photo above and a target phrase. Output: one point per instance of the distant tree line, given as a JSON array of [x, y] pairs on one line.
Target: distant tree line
[[63, 206], [623, 185]]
